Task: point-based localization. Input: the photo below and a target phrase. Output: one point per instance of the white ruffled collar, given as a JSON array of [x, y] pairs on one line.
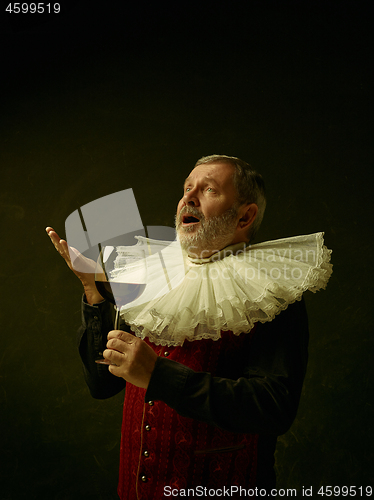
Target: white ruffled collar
[[221, 254], [193, 299]]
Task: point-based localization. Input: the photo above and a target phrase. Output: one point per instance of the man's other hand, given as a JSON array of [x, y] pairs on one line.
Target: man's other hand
[[132, 358]]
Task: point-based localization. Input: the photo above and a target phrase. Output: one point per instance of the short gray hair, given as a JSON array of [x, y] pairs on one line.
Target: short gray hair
[[249, 185]]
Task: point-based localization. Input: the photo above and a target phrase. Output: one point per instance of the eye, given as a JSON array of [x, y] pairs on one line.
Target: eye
[[210, 190], [187, 189]]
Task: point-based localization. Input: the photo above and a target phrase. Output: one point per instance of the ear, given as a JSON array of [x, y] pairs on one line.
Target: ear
[[248, 217]]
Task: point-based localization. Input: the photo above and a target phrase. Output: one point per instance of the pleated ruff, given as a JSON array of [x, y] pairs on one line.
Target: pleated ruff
[[195, 299]]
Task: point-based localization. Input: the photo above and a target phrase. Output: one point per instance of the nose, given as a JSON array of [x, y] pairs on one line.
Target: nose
[[190, 198]]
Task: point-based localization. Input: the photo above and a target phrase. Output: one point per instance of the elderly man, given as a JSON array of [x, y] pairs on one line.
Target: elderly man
[[204, 416]]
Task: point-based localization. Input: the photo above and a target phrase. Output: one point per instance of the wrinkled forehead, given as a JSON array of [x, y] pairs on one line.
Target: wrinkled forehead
[[219, 172]]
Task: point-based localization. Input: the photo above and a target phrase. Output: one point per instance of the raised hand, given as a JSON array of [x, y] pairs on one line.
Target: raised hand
[[81, 266]]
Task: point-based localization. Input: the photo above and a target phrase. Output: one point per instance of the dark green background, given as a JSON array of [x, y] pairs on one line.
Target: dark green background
[[102, 98]]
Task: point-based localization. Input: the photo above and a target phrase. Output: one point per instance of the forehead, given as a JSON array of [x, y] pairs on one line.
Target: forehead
[[221, 173]]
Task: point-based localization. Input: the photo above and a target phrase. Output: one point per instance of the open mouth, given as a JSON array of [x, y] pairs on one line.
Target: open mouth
[[188, 220]]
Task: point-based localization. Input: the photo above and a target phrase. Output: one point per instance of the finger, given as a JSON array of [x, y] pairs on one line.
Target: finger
[[68, 251], [55, 240], [114, 357], [60, 245], [52, 234], [118, 345], [120, 334], [115, 370]]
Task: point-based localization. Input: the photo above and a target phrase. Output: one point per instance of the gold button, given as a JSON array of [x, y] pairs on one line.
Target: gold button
[[144, 479], [151, 403], [146, 453], [166, 354], [147, 427]]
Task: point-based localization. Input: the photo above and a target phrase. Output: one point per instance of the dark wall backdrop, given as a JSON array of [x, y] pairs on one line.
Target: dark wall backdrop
[[101, 98]]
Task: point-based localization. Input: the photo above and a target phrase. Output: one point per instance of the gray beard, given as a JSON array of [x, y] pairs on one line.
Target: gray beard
[[213, 234]]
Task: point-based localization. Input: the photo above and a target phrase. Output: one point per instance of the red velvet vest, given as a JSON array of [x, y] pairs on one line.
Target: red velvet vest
[[160, 448]]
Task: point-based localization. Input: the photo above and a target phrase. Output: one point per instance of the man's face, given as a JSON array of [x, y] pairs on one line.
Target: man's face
[[207, 214]]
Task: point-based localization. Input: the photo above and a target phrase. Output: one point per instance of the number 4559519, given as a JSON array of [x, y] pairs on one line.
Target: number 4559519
[[33, 8]]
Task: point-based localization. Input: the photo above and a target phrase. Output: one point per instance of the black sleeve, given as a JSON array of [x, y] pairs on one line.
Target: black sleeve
[[97, 321], [264, 399]]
